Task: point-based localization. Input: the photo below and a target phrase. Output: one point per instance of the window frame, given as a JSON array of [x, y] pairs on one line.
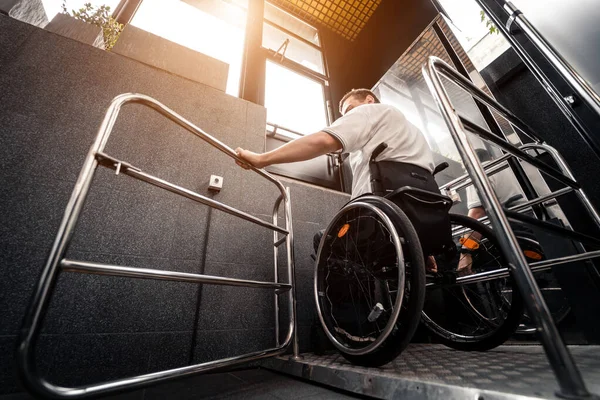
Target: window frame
[[298, 68], [333, 173]]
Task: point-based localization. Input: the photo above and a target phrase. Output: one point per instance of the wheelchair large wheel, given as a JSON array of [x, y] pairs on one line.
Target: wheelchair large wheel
[[370, 281], [477, 316], [555, 299]]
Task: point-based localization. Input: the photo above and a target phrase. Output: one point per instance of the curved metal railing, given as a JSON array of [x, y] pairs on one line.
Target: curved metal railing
[[57, 264]]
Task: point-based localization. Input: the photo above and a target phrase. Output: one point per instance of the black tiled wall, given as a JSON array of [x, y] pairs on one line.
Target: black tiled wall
[[53, 95]]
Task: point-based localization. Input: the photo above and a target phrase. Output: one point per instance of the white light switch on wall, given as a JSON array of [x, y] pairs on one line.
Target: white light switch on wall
[[215, 183]]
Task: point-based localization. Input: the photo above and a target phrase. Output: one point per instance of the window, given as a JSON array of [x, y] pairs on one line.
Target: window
[[296, 93], [213, 27], [300, 28], [296, 50], [298, 104], [482, 46], [296, 80]]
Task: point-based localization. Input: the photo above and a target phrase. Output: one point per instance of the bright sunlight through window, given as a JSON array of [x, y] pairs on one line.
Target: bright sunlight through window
[[188, 26], [294, 101]]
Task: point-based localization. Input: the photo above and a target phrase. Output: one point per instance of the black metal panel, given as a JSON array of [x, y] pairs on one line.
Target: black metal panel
[[322, 171], [581, 114]]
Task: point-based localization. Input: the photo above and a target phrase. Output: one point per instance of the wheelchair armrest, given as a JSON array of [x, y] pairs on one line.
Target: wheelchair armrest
[[440, 167]]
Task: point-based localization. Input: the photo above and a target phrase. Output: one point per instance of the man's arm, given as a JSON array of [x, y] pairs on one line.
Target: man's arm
[[302, 149]]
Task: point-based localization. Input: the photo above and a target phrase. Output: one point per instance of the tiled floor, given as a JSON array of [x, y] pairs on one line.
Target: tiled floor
[[240, 384]]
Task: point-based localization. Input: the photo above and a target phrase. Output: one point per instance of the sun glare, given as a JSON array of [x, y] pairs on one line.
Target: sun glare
[[292, 100], [188, 26]]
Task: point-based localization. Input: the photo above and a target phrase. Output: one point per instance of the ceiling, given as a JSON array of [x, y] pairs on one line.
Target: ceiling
[[345, 17]]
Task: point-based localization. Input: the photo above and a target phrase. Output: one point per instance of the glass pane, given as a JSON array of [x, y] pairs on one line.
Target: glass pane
[[294, 101], [214, 28], [404, 87], [297, 51], [472, 33], [292, 24]]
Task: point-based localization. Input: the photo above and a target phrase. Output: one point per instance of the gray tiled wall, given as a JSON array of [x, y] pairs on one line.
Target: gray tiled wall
[[54, 92]]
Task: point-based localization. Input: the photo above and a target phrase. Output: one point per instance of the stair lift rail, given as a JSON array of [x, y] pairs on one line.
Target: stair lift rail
[[571, 384], [56, 263]]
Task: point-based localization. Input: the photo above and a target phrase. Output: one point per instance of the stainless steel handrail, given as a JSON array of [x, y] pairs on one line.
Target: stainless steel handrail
[[581, 86], [562, 164], [87, 267], [457, 231], [517, 152], [56, 262], [568, 376], [480, 95], [136, 173], [504, 273], [491, 167], [276, 242]]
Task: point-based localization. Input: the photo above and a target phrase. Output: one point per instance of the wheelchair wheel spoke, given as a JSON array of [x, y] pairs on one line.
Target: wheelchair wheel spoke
[[475, 316], [358, 270], [369, 304]]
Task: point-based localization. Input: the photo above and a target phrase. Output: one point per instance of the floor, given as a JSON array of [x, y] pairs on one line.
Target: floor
[[422, 372], [247, 384], [437, 372]]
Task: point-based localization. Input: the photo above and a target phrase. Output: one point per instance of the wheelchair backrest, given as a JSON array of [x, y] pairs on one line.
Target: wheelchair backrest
[[428, 212], [426, 208]]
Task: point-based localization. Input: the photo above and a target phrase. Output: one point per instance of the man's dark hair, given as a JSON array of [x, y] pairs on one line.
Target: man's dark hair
[[360, 94]]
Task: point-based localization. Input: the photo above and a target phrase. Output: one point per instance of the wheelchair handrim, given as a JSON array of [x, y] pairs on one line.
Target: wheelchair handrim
[[448, 333], [401, 280]]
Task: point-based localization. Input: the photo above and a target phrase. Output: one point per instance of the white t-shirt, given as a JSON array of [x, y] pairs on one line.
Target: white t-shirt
[[364, 127], [505, 186]]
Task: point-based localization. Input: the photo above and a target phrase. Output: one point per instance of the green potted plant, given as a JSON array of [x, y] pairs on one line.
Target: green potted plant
[[99, 16]]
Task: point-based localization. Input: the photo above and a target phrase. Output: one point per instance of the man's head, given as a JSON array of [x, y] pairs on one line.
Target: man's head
[[355, 98]]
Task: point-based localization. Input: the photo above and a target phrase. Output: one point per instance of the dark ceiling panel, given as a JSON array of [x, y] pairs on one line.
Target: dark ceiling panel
[[345, 17]]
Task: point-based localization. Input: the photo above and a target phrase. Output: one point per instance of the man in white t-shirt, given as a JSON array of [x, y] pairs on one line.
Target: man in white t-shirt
[[364, 125]]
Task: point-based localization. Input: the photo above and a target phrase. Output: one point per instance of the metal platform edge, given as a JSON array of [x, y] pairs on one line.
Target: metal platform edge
[[383, 387]]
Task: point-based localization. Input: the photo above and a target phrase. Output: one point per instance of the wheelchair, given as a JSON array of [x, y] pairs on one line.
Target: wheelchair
[[371, 285]]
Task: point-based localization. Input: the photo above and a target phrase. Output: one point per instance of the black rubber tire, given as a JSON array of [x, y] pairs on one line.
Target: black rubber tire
[[513, 318], [410, 314]]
